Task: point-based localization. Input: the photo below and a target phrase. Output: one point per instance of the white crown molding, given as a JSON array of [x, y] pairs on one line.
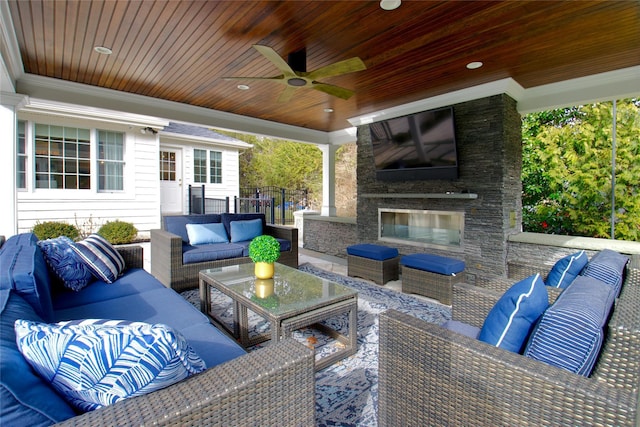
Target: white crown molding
[[344, 136], [618, 84], [61, 109], [82, 94], [15, 100]]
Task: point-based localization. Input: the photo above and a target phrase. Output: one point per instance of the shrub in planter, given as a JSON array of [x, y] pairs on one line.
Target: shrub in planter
[[264, 248], [52, 229], [118, 232]]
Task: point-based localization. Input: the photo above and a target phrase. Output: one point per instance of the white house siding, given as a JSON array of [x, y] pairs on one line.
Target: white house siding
[[139, 203], [230, 186]]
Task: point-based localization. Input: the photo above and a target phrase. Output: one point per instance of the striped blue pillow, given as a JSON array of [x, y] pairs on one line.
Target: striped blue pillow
[[570, 333], [511, 319], [608, 267], [94, 363], [100, 257]]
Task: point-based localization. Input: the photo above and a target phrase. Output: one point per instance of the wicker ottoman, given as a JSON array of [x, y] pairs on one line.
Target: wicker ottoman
[[432, 276], [373, 262]]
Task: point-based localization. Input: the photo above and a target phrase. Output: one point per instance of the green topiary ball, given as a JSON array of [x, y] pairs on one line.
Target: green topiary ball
[[264, 248]]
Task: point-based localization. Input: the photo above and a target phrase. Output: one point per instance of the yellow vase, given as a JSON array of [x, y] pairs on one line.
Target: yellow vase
[[264, 270], [264, 288]]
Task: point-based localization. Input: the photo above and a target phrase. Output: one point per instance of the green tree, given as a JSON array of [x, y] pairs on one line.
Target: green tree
[[567, 171]]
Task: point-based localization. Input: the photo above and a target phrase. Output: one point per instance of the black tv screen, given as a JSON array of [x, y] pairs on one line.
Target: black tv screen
[[415, 147]]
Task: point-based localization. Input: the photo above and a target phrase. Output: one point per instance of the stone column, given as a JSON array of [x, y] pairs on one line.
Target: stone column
[[328, 179]]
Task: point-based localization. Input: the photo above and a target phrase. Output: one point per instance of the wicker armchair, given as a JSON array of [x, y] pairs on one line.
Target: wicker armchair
[[167, 266], [271, 386], [429, 375]]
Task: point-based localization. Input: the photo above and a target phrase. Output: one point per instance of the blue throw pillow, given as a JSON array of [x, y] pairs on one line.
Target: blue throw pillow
[[100, 257], [566, 270], [512, 318], [608, 267], [242, 231], [202, 234], [570, 333], [65, 263], [95, 363]]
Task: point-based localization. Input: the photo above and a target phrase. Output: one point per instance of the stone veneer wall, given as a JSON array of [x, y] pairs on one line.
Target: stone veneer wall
[[329, 235], [488, 133]]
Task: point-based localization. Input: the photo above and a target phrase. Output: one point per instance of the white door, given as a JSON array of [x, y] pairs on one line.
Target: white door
[[170, 181]]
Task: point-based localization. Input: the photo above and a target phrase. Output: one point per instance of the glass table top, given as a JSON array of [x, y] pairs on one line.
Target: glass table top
[[290, 290]]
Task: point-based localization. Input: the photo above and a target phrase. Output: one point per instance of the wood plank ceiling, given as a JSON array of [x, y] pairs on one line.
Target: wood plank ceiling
[[180, 50]]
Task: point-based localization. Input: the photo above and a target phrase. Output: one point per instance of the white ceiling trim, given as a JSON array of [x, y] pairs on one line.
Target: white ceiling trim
[[200, 139], [82, 94]]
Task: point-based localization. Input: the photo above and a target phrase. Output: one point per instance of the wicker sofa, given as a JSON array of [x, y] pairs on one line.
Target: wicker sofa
[[167, 249], [271, 386], [429, 375]]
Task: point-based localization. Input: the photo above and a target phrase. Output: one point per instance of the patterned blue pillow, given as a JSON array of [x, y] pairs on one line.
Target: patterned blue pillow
[[512, 318], [100, 257], [65, 263], [566, 270], [94, 363]]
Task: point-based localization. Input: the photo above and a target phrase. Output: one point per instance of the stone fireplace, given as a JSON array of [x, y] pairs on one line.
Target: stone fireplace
[[485, 200]]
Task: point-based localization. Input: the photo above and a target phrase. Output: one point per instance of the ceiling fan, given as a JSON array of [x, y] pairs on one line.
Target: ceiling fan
[[294, 73]]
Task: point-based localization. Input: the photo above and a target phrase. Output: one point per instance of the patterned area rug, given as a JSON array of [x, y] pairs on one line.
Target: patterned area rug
[[347, 391]]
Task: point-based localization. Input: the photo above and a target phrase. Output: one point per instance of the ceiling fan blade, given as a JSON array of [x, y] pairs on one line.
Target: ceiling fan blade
[[277, 78], [275, 59], [337, 68], [287, 94], [338, 91]]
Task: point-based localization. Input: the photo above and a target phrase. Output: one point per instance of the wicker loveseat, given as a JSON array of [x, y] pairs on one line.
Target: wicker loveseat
[[429, 375], [167, 263]]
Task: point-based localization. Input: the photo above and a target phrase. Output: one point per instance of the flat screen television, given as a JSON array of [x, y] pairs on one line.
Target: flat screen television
[[419, 146]]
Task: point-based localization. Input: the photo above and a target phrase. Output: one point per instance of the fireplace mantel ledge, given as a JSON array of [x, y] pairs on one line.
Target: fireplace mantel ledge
[[420, 195]]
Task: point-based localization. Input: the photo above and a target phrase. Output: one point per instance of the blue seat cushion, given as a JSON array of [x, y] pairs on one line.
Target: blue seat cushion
[[25, 398], [210, 252], [433, 263], [155, 306], [462, 328], [177, 224], [512, 318], [370, 251], [94, 363], [23, 268], [608, 267], [566, 269], [211, 344], [133, 281], [570, 333]]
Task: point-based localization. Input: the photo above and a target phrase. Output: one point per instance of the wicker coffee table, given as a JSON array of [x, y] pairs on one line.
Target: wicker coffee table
[[291, 300]]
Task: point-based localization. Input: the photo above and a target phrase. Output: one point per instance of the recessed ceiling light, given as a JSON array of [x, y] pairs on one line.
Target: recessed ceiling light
[[390, 4], [103, 50], [328, 110], [474, 65], [243, 87]]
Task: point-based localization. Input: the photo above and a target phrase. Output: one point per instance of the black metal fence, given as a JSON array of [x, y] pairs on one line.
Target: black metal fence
[[199, 204], [278, 204]]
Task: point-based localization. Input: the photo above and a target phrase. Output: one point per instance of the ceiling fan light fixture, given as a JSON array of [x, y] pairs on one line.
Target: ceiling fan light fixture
[[297, 81], [103, 50], [390, 4], [474, 65]]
